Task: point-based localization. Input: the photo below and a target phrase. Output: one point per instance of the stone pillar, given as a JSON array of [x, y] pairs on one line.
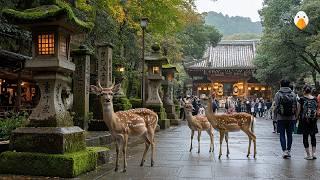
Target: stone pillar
[[105, 64], [169, 104], [81, 84], [104, 68]]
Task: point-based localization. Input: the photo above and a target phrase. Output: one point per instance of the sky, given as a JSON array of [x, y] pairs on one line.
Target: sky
[[245, 8]]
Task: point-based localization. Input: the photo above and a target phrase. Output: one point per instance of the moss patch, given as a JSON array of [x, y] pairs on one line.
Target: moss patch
[[62, 165], [46, 12], [136, 103]]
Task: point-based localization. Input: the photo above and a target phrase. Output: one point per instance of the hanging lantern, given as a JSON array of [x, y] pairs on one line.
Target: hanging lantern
[[199, 88], [235, 90]]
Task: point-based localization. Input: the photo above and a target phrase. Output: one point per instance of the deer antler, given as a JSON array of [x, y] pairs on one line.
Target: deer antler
[[99, 85], [113, 83]]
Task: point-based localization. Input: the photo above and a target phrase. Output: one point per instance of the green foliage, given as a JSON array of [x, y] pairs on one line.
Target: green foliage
[[46, 11], [196, 37], [63, 165], [136, 103], [242, 36], [7, 125], [121, 103], [232, 25]]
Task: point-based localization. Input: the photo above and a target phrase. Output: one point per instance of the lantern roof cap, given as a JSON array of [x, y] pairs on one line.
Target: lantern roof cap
[[169, 67], [155, 56], [48, 15]]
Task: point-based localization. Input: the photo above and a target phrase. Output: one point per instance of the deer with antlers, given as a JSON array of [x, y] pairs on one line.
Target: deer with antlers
[[232, 123], [122, 124], [198, 123]]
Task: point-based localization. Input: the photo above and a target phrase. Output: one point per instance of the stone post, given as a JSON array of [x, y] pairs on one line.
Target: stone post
[[104, 68], [81, 85], [105, 64], [167, 84]]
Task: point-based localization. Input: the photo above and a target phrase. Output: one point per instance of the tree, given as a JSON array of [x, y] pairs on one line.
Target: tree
[[285, 50]]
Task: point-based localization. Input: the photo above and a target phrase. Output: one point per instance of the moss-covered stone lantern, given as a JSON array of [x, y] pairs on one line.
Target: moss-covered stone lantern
[[154, 63], [168, 71], [50, 145]]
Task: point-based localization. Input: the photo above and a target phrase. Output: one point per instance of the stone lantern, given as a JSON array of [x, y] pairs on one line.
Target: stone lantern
[[168, 72], [154, 76], [50, 140]]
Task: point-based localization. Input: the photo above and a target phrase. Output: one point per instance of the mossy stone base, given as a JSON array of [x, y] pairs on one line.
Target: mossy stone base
[[163, 121], [58, 165], [51, 140]]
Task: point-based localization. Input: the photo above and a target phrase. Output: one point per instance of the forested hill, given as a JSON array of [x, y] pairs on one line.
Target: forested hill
[[233, 25]]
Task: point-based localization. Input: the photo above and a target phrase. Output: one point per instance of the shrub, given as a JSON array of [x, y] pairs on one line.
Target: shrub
[[136, 103], [7, 125]]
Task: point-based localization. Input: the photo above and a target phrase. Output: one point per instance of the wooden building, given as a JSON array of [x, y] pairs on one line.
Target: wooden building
[[228, 69], [17, 88]]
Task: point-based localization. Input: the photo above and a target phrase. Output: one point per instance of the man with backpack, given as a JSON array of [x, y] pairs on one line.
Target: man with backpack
[[285, 113]]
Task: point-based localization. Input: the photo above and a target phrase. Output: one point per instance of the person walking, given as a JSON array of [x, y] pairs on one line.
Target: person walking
[[181, 105], [285, 113], [308, 107], [260, 110]]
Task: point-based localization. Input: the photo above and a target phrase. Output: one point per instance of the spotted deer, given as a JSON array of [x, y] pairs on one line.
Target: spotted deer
[[122, 124], [198, 123], [231, 123]]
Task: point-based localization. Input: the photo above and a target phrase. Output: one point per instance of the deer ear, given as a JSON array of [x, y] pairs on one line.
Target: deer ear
[[95, 90], [116, 88]]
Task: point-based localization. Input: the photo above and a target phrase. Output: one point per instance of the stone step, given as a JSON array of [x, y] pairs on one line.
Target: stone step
[[98, 138], [4, 146], [97, 125]]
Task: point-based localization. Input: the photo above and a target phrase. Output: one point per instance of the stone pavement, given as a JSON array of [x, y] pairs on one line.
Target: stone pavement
[[174, 161]]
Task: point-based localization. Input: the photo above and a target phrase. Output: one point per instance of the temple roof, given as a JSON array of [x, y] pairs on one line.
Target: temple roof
[[12, 60], [227, 55]]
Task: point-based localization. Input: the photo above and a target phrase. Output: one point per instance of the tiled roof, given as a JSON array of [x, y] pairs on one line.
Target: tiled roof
[[228, 55]]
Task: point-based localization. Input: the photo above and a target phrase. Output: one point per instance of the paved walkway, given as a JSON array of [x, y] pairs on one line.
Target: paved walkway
[[174, 161]]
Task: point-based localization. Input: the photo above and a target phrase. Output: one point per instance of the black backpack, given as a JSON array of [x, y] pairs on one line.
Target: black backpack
[[287, 104], [309, 109]]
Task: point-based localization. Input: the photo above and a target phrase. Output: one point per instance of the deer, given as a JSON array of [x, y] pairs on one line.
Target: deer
[[232, 123], [198, 123], [122, 124]]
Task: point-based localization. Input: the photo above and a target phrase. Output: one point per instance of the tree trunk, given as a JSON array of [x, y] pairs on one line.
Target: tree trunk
[[314, 78]]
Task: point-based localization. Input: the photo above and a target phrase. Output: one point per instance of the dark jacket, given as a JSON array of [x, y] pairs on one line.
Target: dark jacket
[[277, 116]]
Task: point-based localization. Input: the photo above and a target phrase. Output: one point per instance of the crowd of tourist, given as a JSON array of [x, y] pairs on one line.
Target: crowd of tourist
[[288, 111]]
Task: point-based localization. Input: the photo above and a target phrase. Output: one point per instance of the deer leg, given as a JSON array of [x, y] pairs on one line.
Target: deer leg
[[117, 155], [192, 134], [250, 138], [249, 147], [147, 145], [210, 132], [199, 136], [152, 148], [227, 141], [124, 151], [221, 140], [253, 137]]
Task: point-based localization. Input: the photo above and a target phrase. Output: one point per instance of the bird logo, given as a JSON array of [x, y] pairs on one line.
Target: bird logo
[[301, 20]]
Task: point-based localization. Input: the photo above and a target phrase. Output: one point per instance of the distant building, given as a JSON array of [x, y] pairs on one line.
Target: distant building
[[228, 69]]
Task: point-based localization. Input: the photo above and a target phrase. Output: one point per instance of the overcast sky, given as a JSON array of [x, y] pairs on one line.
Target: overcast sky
[[245, 8]]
